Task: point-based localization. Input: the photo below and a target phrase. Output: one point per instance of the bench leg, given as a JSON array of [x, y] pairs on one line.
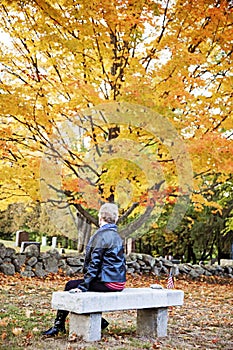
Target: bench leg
[[152, 322], [87, 326]]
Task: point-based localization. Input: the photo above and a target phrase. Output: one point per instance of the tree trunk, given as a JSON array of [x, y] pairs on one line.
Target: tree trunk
[[84, 232]]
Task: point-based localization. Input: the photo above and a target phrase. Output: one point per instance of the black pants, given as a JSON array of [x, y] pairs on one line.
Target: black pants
[[95, 286]]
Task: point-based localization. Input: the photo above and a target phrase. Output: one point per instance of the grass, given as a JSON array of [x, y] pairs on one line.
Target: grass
[[11, 244], [204, 322]]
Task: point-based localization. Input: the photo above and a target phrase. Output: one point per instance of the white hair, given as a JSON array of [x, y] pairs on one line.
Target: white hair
[[109, 213]]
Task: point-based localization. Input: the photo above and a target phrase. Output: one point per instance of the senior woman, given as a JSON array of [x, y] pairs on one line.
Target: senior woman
[[104, 266]]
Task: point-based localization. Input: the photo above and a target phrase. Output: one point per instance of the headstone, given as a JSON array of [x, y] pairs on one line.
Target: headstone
[[226, 262], [21, 236], [54, 242], [24, 245], [44, 241]]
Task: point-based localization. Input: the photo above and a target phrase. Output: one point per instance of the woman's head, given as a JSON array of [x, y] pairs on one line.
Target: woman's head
[[109, 213]]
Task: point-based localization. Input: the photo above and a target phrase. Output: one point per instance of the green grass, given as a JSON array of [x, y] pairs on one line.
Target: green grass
[[11, 244], [20, 326], [203, 322]]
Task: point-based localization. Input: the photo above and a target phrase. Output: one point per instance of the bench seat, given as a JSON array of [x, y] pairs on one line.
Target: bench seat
[[86, 309]]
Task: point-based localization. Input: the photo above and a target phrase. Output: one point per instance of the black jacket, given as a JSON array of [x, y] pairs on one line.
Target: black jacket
[[104, 259]]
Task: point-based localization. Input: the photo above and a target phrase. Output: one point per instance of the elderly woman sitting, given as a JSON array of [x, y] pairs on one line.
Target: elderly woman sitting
[[104, 266]]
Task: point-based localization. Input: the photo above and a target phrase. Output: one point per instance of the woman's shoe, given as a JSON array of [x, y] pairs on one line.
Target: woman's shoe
[[104, 323], [53, 331], [59, 324]]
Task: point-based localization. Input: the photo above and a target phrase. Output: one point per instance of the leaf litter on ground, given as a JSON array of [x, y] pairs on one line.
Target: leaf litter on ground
[[205, 321]]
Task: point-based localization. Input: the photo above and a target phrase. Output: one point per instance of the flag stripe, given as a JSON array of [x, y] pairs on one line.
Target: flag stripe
[[170, 282]]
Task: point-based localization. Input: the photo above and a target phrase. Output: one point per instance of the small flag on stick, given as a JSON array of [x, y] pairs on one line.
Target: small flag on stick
[[170, 282]]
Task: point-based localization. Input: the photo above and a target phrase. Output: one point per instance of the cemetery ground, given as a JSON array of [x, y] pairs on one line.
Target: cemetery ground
[[205, 321]]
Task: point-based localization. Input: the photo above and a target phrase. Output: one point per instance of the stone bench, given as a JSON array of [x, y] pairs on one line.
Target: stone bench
[[86, 309]]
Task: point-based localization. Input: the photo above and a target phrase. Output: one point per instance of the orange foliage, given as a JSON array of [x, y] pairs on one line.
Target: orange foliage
[[60, 58]]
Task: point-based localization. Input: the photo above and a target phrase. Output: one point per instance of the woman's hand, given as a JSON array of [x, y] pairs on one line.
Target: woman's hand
[[75, 290]]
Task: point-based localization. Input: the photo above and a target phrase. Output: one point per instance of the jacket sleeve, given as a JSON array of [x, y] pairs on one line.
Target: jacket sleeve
[[92, 268]]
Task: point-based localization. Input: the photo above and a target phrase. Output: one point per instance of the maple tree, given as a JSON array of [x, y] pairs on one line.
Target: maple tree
[[71, 70]]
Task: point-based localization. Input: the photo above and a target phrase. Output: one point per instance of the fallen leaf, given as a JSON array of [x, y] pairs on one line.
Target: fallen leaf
[[35, 329], [4, 322], [214, 341], [17, 331], [28, 313], [72, 338], [4, 335]]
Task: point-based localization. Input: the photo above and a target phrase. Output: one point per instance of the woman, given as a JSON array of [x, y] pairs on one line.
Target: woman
[[104, 266]]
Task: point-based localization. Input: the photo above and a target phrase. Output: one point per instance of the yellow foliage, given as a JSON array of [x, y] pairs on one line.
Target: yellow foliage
[[170, 237], [200, 201], [63, 56], [154, 225]]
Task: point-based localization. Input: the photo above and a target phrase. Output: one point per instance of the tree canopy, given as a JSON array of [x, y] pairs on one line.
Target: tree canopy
[[115, 100]]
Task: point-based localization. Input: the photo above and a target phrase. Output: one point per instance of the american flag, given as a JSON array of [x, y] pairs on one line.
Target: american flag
[[170, 283]]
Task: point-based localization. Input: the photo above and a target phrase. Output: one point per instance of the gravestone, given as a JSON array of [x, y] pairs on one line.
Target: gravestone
[[21, 236], [44, 241], [54, 242], [24, 245]]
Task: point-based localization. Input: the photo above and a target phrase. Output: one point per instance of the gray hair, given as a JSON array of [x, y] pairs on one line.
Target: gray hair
[[109, 213]]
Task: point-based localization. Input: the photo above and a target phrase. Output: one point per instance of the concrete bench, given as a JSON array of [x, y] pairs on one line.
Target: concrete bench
[[86, 309]]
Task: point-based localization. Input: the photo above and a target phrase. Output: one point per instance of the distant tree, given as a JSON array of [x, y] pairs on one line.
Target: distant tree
[[205, 231]]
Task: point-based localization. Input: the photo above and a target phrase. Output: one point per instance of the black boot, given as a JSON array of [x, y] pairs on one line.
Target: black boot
[[59, 324], [104, 323]]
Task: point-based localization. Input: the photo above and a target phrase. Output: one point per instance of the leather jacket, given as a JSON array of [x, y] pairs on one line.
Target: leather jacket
[[104, 258]]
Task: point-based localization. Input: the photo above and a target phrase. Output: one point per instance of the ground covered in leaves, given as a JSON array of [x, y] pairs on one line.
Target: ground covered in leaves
[[204, 322]]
